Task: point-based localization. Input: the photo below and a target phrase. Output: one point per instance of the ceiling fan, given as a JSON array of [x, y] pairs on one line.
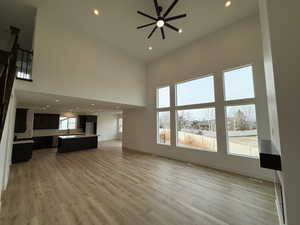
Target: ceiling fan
[[162, 19]]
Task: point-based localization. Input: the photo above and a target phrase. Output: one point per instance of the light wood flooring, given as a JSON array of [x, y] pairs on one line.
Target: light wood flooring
[[110, 187]]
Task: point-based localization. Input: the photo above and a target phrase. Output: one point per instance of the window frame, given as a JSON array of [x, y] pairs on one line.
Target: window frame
[[240, 102], [157, 97], [195, 106], [157, 128], [192, 79], [67, 118]]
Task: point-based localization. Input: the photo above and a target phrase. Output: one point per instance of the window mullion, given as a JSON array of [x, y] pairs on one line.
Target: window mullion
[[173, 115]]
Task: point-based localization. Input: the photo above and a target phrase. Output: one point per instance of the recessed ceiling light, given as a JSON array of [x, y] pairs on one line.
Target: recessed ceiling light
[[96, 12], [57, 100], [160, 23], [48, 106], [227, 4], [150, 48], [180, 31], [93, 104]]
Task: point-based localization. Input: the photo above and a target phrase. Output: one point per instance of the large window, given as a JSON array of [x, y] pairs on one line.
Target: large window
[[196, 128], [191, 112], [196, 123], [240, 111], [66, 123], [164, 134], [163, 97], [163, 116], [242, 130], [195, 91], [239, 84]]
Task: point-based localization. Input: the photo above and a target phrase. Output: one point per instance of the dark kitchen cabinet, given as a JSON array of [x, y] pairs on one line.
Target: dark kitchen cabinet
[[82, 122], [45, 121], [43, 142], [21, 118], [91, 119]]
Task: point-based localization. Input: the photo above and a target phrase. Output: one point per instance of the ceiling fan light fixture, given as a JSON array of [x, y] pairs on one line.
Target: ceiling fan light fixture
[[161, 20], [227, 4], [96, 12], [180, 31], [160, 23]]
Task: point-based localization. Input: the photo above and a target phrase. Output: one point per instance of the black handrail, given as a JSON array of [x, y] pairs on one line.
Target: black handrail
[[7, 77], [24, 64]]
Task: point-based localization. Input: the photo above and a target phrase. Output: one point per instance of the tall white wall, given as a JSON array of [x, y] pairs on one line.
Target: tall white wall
[[70, 62], [107, 126], [281, 35], [234, 46], [6, 144]]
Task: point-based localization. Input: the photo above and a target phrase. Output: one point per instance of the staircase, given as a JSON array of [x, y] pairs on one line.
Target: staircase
[[8, 61]]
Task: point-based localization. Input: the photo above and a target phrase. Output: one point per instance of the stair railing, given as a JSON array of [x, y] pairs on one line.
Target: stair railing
[[7, 76]]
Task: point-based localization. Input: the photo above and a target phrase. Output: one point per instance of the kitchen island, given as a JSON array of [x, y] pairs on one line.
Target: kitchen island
[[73, 143]]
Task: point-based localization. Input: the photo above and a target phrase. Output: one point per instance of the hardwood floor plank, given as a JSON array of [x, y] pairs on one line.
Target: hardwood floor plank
[[111, 187]]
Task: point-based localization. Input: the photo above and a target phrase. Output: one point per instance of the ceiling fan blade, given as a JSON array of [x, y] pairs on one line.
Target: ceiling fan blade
[[175, 17], [146, 25], [156, 8], [171, 27], [162, 33], [146, 15], [170, 8], [154, 29]]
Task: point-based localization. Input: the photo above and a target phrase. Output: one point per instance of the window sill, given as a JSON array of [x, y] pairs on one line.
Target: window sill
[[168, 145], [244, 156], [29, 80], [195, 149]]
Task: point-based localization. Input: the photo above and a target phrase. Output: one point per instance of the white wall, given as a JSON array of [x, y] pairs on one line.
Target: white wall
[[237, 45], [107, 126], [281, 35], [69, 62], [6, 144]]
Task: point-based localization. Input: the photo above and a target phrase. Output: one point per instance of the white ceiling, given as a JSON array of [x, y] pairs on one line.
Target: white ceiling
[[48, 103], [118, 20]]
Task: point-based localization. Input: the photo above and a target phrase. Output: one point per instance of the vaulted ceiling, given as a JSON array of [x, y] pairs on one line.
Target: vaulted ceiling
[[117, 21]]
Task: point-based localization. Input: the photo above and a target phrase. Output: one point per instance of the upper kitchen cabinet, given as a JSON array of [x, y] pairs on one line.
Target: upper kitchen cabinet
[[45, 121]]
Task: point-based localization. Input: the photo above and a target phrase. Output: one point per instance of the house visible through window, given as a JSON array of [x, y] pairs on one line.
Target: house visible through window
[[240, 111], [66, 123]]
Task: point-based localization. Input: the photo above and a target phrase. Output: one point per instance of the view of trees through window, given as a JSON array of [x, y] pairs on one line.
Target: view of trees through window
[[164, 136], [242, 130], [196, 128]]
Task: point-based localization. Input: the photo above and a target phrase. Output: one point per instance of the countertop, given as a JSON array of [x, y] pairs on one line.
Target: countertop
[[23, 142], [76, 136], [57, 135]]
